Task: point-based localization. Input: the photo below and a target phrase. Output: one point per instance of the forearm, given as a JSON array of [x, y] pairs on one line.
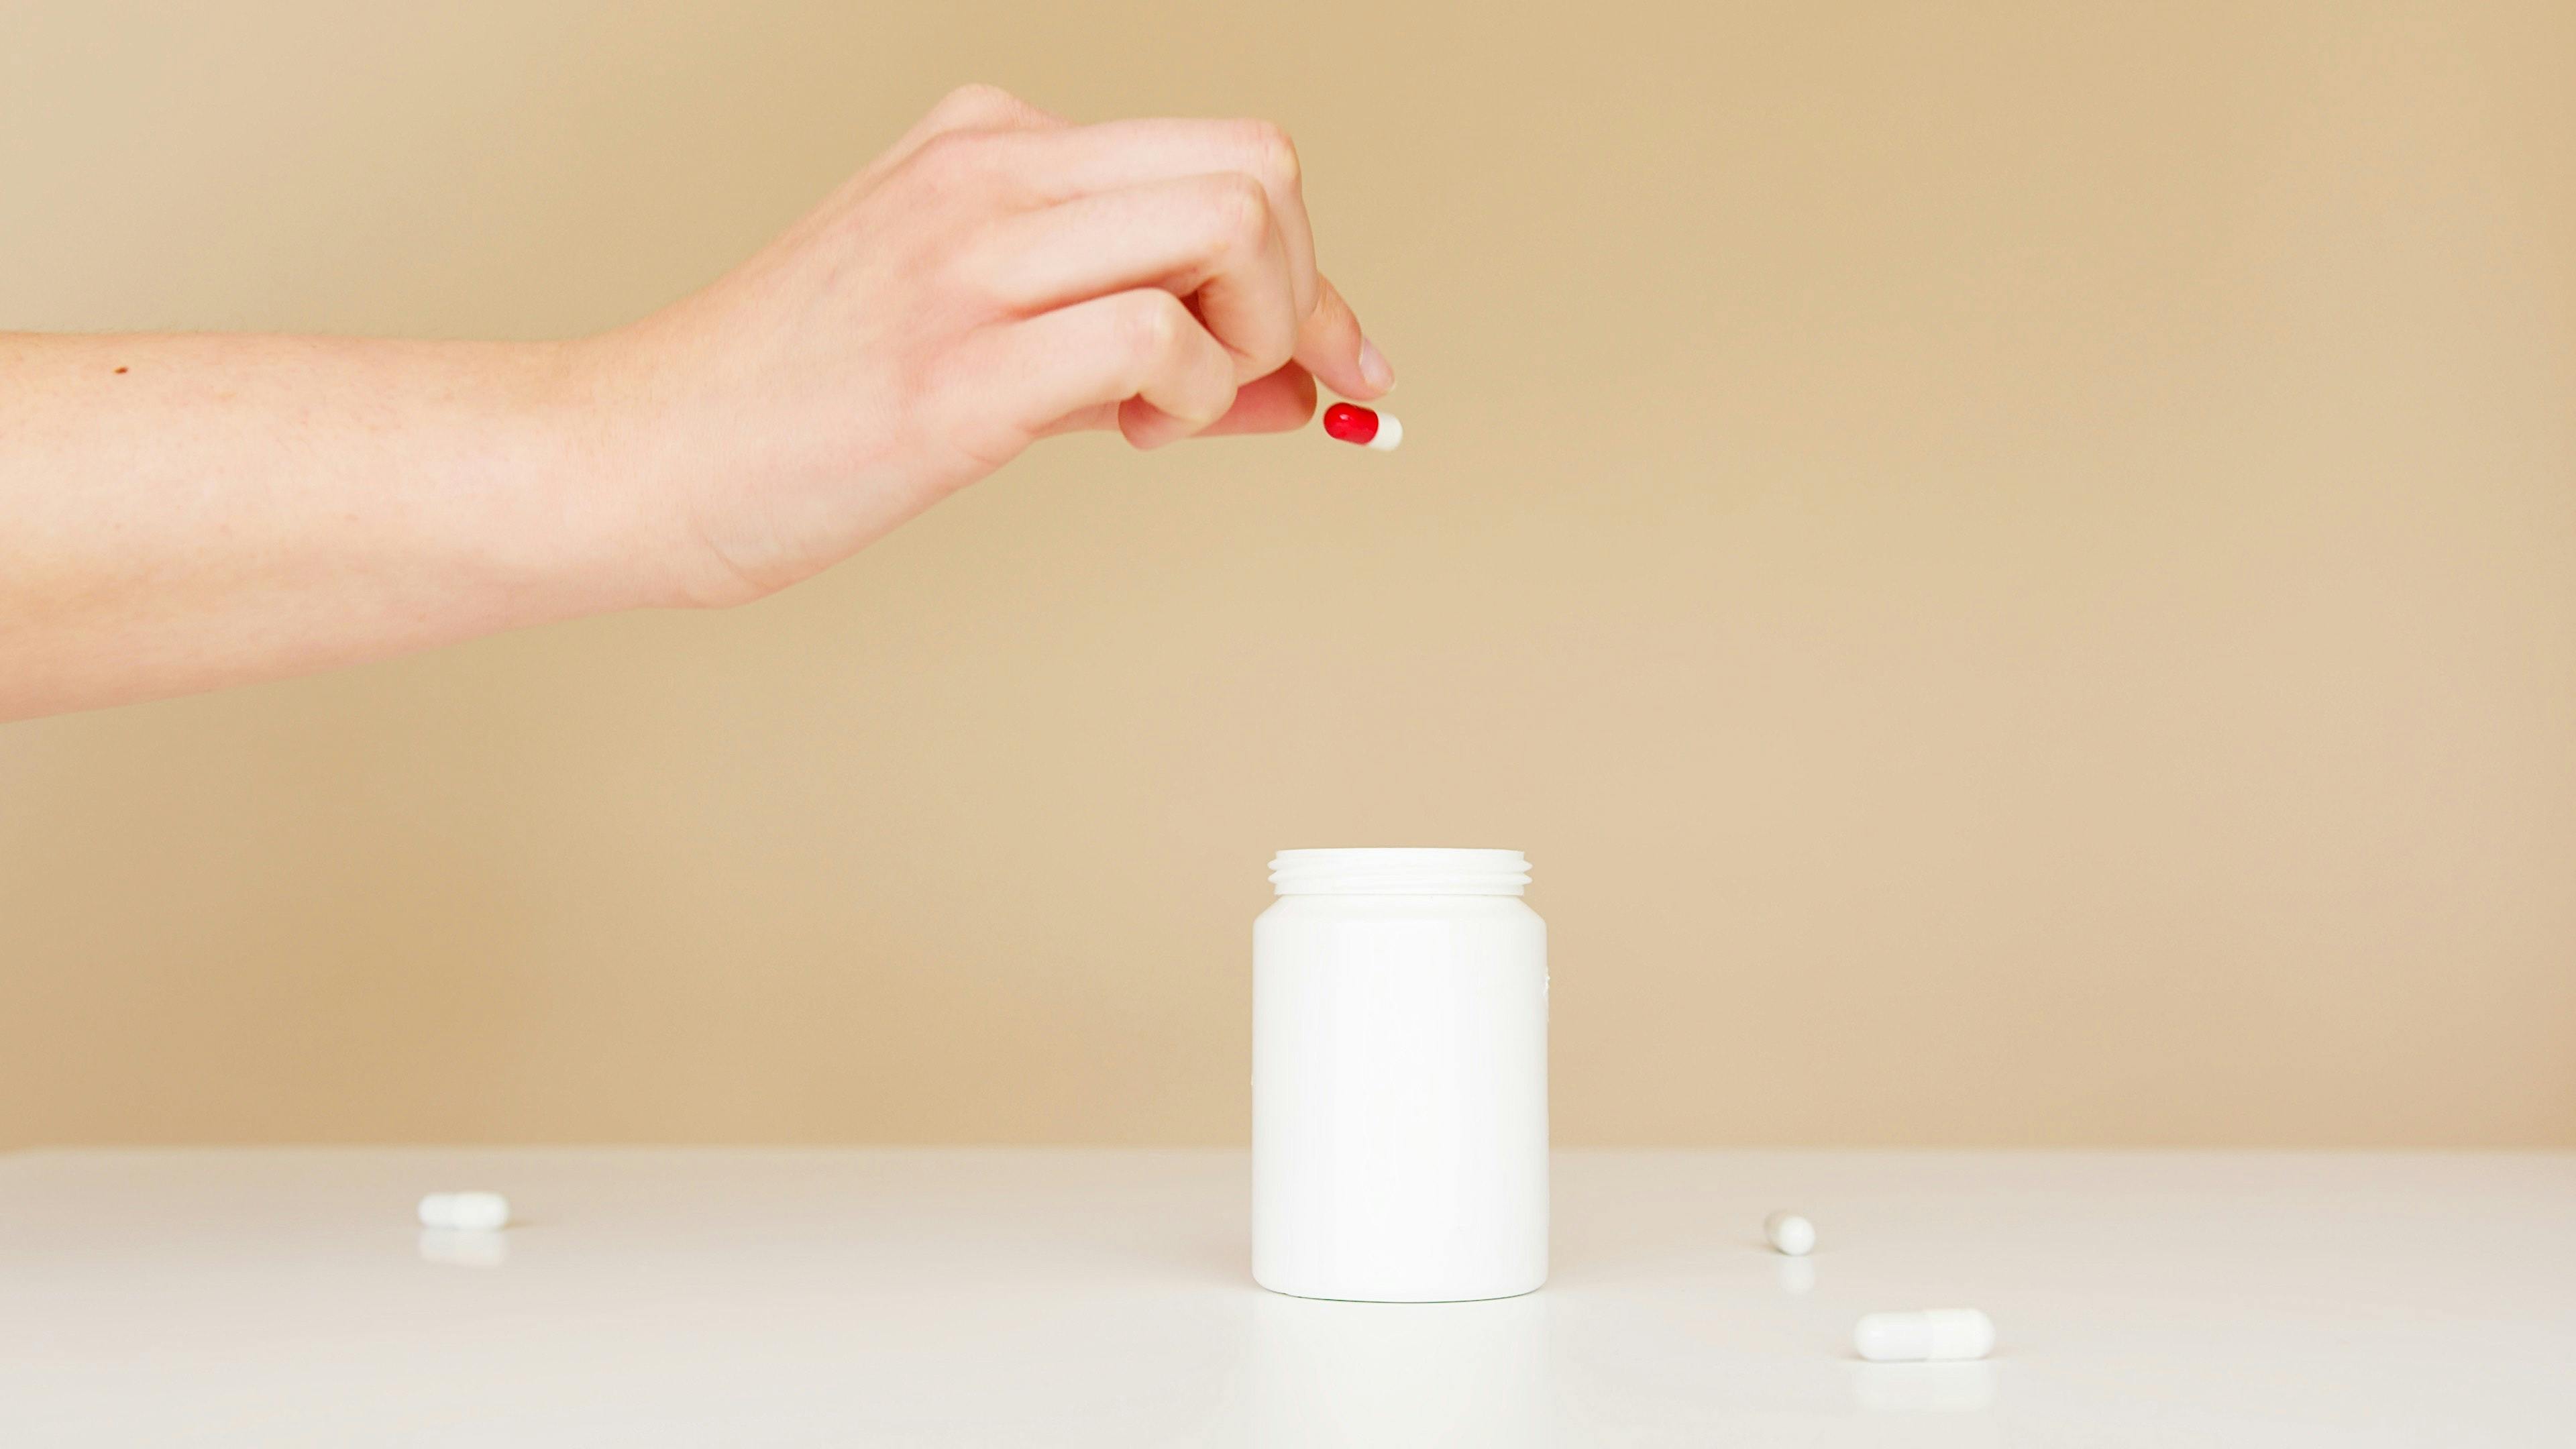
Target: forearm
[[181, 513], [184, 512]]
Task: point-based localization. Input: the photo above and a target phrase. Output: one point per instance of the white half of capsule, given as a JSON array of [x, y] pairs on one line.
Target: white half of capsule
[[1789, 1233], [1390, 434], [1934, 1335], [472, 1212]]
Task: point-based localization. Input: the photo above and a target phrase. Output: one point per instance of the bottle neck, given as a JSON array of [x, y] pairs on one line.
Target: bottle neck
[[1399, 872]]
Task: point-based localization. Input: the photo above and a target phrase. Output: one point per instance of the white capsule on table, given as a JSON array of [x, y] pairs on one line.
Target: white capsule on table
[[473, 1212], [1934, 1335], [457, 1248], [1790, 1234]]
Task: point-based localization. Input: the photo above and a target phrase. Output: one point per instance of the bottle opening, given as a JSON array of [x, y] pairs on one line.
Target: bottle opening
[[1399, 872]]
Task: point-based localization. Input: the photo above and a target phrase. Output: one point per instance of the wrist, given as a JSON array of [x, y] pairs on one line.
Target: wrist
[[622, 418]]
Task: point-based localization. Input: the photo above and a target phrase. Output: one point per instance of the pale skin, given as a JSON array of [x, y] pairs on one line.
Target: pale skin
[[181, 513]]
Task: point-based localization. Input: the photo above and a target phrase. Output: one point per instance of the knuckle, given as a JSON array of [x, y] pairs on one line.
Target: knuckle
[[1220, 400], [1272, 352], [1326, 309], [1154, 322], [1271, 155], [1239, 214], [1206, 402], [978, 98]]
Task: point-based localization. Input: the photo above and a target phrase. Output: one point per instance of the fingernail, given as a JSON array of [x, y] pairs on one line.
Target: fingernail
[[1373, 366]]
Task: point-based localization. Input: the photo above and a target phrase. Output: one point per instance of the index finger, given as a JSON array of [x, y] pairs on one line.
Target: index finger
[[1063, 165], [1060, 166]]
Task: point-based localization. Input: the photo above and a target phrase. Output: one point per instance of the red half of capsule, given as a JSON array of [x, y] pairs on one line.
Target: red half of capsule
[[1350, 424]]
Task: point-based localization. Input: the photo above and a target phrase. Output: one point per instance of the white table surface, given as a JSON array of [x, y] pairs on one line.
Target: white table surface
[[1079, 1297]]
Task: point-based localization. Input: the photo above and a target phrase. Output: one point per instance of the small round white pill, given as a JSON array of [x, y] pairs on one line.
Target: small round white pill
[[1790, 1234], [1935, 1335], [473, 1212]]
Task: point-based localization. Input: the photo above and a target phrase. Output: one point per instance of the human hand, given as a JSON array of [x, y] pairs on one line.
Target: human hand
[[997, 276]]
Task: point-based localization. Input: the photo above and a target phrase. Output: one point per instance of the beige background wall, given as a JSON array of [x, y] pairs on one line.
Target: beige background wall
[[2014, 568]]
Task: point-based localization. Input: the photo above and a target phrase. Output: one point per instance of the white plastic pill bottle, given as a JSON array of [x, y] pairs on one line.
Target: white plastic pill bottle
[[1399, 1077]]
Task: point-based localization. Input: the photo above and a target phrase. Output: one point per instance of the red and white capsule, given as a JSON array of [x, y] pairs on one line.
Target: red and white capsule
[[1364, 426]]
